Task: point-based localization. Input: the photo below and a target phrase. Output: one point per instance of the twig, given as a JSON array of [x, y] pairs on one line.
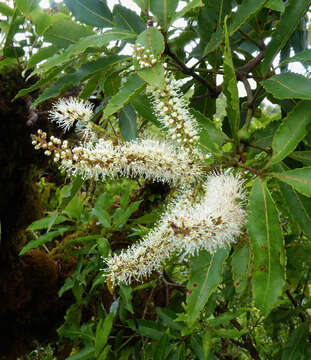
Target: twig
[[260, 46], [148, 300], [169, 283], [295, 304], [250, 98], [254, 171], [242, 72], [247, 341], [190, 71], [258, 147]]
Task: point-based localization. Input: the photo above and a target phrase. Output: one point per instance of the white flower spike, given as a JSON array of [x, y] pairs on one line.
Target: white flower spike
[[186, 228], [151, 159], [66, 112]]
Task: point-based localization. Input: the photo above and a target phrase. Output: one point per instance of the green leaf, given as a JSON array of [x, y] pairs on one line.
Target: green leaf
[[71, 191], [74, 208], [190, 6], [230, 88], [214, 42], [143, 106], [41, 20], [103, 247], [291, 131], [13, 51], [33, 244], [122, 215], [224, 318], [246, 10], [5, 9], [94, 13], [26, 6], [160, 350], [210, 21], [129, 89], [167, 316], [210, 136], [241, 267], [152, 40], [72, 79], [112, 83], [127, 123], [92, 41], [105, 353], [127, 19], [65, 32], [49, 76], [302, 56], [206, 271], [153, 76], [263, 137], [288, 86], [126, 296], [98, 280], [164, 10], [299, 206], [104, 201], [294, 349], [125, 197], [52, 220], [68, 285], [276, 5], [12, 27], [42, 54], [45, 222], [146, 328], [267, 246], [88, 240], [102, 216], [299, 178], [84, 354], [291, 16], [103, 330], [196, 345], [72, 321], [91, 85], [143, 4], [229, 333], [302, 156], [181, 352]]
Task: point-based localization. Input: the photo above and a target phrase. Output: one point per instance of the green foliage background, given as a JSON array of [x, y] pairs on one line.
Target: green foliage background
[[248, 302]]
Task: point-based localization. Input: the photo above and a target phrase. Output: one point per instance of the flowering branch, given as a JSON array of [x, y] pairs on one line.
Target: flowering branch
[[195, 220], [187, 227], [151, 159]]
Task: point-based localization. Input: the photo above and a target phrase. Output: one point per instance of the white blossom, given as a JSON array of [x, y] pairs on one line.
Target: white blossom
[[172, 111], [152, 159], [66, 112], [186, 228]]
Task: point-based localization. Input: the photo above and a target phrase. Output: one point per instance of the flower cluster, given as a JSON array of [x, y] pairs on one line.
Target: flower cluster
[[171, 109], [186, 228], [196, 220], [143, 56], [151, 159], [70, 112]]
